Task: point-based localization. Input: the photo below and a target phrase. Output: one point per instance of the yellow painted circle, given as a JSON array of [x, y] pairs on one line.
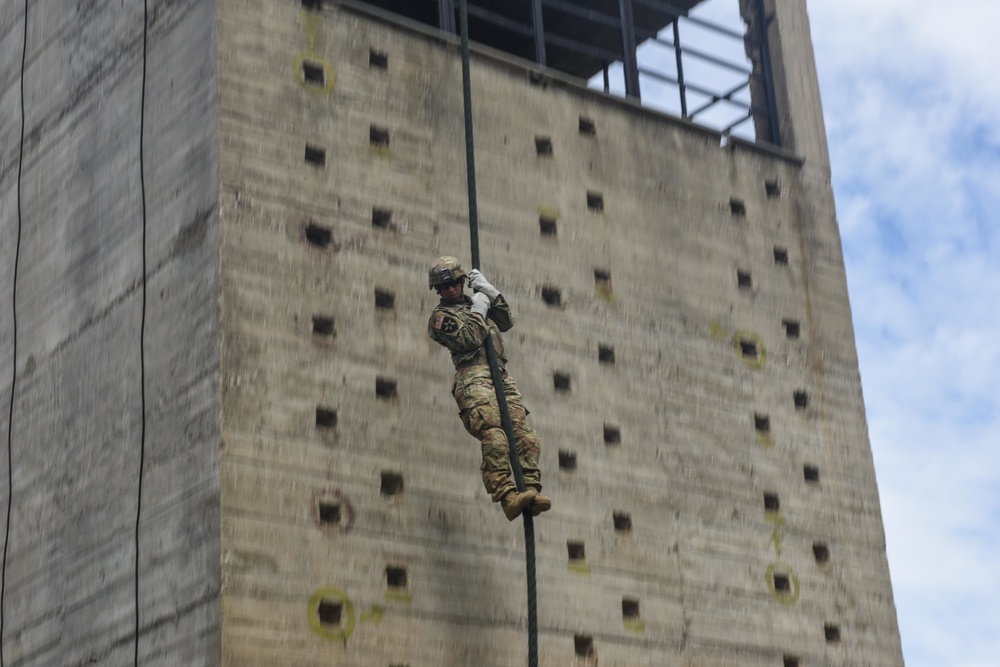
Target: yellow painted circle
[[784, 597], [744, 334], [342, 632], [318, 58]]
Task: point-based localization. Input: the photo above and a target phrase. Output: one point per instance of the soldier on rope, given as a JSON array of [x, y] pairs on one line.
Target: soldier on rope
[[461, 324]]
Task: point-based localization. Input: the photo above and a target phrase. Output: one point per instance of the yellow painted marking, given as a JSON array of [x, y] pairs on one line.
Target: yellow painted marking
[[313, 23], [340, 633], [329, 75], [399, 596], [638, 627], [776, 538], [765, 440], [579, 568], [757, 362], [784, 597], [546, 212], [381, 151], [774, 518], [373, 615], [605, 294], [716, 330]]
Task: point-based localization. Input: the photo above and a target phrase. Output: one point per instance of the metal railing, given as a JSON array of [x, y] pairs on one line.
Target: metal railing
[[706, 71]]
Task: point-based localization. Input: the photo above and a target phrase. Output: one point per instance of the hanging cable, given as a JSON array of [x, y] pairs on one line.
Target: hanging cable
[[491, 354], [13, 365], [142, 325]]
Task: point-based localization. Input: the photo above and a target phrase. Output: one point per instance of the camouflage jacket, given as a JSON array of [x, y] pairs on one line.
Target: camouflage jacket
[[463, 332]]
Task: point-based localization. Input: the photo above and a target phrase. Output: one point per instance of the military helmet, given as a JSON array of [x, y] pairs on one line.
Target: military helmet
[[445, 270]]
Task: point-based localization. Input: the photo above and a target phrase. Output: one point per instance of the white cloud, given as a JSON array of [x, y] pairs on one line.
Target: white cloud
[[911, 96]]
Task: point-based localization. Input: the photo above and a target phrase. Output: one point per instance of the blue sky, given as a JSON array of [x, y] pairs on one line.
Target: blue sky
[[911, 98]]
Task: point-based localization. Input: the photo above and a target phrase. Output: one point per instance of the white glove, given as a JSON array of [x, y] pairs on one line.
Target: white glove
[[479, 284], [480, 303]]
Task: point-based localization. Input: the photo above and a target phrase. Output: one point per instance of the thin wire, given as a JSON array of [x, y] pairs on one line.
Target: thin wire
[[491, 355], [13, 382], [142, 325]]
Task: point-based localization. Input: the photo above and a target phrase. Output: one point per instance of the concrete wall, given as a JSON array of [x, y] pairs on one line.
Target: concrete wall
[[70, 576], [681, 219]]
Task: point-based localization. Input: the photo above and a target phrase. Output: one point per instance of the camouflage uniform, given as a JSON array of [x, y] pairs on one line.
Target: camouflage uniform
[[463, 332]]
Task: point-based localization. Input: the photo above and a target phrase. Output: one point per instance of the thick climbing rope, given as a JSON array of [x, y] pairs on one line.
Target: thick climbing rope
[[13, 364], [142, 325], [491, 354]]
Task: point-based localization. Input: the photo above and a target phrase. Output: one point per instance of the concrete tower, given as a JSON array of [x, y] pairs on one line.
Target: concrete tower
[[231, 441]]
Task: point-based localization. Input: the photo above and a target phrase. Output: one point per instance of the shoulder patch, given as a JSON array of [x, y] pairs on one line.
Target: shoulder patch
[[445, 323]]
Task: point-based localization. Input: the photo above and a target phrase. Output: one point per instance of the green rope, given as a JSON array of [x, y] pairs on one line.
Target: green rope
[[491, 354]]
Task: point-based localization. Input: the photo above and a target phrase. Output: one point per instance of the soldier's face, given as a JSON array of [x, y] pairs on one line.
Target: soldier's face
[[451, 291]]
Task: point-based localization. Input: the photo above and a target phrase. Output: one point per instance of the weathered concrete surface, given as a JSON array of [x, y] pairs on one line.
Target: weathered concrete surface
[[690, 468], [70, 579], [235, 556]]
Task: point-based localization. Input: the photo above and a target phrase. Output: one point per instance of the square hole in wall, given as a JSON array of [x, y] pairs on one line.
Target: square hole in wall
[[790, 661], [318, 236], [622, 521], [378, 136], [395, 576], [606, 354], [378, 59], [552, 296], [743, 280], [315, 155], [772, 188], [547, 226], [771, 502], [782, 583], [567, 460], [313, 73], [791, 328], [595, 201], [323, 326], [737, 207], [821, 552], [748, 348], [560, 381], [543, 146], [329, 512], [576, 551], [330, 612], [612, 435], [630, 609], [392, 483], [325, 417], [831, 632], [780, 256], [587, 126], [583, 646], [384, 300], [801, 399], [385, 388], [382, 218], [810, 472], [761, 423], [314, 5]]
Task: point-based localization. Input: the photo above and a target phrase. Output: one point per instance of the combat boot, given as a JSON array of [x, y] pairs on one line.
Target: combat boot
[[514, 503], [540, 503]]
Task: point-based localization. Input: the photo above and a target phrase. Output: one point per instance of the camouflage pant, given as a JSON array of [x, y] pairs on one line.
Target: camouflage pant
[[480, 415]]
